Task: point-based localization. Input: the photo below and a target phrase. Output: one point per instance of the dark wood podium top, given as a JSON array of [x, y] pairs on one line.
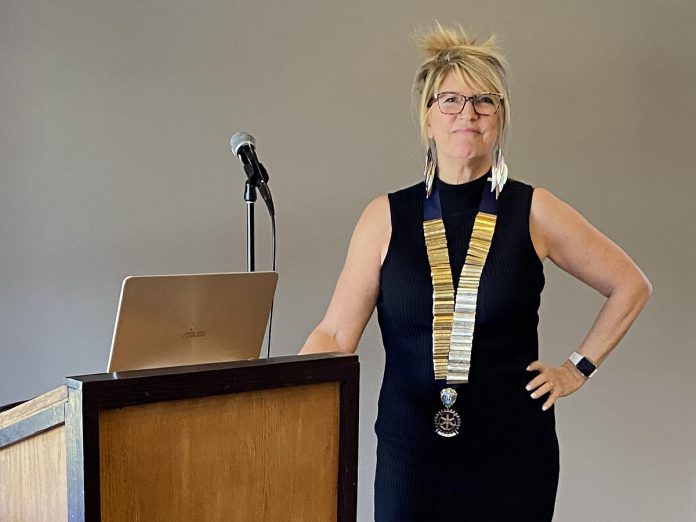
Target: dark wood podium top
[[140, 386]]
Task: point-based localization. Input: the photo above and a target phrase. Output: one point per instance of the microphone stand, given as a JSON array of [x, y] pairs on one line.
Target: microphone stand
[[250, 199]]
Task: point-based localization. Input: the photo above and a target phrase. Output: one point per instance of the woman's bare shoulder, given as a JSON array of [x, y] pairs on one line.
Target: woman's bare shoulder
[[375, 218], [374, 227]]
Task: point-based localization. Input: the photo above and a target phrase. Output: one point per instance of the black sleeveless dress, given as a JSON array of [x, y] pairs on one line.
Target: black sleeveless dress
[[504, 464]]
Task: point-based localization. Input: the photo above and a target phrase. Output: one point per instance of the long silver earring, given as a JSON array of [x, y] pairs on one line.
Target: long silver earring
[[430, 167], [499, 172]]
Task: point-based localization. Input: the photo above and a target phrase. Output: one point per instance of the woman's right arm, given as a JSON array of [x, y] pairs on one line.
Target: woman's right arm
[[357, 288]]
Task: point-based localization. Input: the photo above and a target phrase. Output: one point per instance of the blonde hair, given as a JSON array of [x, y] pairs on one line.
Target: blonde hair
[[450, 49]]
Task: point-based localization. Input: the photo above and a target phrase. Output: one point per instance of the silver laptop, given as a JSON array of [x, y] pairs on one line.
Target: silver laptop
[[177, 320]]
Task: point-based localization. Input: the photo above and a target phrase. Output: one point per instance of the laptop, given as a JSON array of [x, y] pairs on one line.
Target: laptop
[[178, 320]]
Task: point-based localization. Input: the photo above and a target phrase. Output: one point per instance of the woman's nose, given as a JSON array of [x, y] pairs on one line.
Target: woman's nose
[[468, 111]]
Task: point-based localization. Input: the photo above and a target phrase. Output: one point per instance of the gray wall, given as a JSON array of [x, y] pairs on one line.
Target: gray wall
[[115, 118]]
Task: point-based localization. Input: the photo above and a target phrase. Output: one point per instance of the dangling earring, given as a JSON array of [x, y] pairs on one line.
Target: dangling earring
[[499, 172], [430, 167]]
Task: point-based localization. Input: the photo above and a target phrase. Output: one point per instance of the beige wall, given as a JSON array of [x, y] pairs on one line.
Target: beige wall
[[115, 118]]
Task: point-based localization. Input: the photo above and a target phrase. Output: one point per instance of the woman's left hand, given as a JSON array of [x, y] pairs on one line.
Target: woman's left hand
[[557, 382]]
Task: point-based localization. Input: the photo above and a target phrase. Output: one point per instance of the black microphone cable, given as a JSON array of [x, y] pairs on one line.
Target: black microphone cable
[[271, 213], [270, 317]]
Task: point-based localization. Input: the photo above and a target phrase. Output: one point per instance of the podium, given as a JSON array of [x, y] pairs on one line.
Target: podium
[[262, 440]]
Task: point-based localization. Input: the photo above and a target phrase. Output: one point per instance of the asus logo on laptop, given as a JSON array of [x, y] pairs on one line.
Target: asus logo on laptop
[[193, 332]]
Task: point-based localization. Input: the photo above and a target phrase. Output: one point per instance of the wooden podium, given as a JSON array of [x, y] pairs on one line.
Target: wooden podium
[[265, 440]]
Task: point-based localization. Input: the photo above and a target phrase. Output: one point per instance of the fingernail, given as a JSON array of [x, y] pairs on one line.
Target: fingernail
[[528, 368], [544, 408], [532, 396], [527, 387]]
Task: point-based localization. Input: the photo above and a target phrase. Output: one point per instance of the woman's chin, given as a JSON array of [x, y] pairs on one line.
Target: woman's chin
[[466, 156]]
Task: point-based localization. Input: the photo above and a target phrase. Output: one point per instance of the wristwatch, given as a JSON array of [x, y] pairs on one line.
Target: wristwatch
[[583, 364]]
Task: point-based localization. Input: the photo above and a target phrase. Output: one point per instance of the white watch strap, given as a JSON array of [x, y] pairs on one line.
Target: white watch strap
[[575, 358]]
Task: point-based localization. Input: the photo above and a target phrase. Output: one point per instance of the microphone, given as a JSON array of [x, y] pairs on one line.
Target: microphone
[[243, 145]]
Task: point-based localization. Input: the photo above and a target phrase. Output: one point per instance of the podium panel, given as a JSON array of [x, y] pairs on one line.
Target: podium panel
[[33, 485], [213, 458]]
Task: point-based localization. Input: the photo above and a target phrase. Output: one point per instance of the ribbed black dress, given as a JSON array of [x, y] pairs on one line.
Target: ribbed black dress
[[504, 464]]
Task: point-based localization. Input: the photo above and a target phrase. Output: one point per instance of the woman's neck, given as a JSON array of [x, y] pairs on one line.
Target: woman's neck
[[461, 172]]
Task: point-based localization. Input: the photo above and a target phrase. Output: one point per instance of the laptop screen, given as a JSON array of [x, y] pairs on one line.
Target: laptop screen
[[176, 320]]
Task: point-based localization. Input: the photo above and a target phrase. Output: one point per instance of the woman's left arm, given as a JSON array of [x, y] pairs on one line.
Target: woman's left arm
[[560, 233]]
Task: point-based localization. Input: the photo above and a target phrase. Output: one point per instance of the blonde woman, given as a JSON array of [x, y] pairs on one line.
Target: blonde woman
[[454, 265]]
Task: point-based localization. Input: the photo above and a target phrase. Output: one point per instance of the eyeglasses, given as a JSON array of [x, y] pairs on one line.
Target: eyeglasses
[[485, 104]]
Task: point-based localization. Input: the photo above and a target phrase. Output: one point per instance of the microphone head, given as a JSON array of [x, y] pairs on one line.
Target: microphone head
[[239, 140]]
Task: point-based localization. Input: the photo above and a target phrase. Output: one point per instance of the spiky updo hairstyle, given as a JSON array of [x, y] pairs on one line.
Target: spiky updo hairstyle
[[480, 66]]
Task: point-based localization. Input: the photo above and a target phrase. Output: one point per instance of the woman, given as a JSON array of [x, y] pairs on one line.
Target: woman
[[466, 426]]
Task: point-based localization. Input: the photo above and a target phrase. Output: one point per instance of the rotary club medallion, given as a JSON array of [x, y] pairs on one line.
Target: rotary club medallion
[[447, 421]]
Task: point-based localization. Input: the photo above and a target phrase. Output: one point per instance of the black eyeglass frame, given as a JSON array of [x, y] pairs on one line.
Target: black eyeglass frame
[[436, 98]]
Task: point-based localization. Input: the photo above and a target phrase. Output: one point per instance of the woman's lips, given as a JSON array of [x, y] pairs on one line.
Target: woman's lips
[[472, 131]]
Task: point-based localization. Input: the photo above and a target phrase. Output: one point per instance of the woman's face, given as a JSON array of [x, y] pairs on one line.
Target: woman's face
[[464, 137]]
